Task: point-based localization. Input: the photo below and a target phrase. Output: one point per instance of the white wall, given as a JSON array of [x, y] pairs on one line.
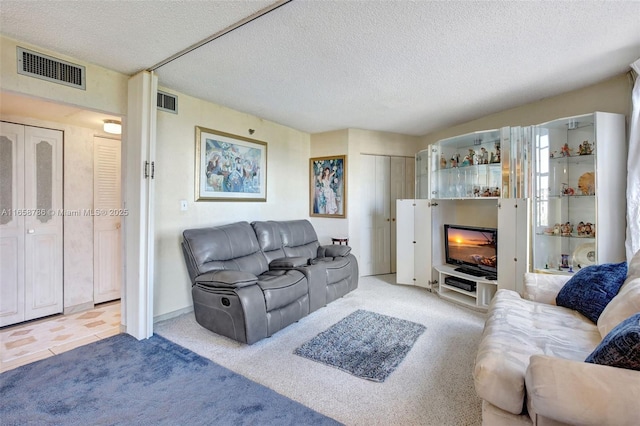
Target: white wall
[[287, 187]]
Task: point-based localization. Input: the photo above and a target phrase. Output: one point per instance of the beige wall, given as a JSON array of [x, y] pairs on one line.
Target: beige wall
[[287, 187], [106, 90], [354, 143], [612, 95]]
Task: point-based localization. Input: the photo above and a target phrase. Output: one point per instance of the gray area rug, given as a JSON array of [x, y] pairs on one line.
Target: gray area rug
[[121, 380], [365, 344]]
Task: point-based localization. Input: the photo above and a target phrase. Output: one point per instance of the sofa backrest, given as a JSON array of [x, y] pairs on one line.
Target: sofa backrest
[[269, 239], [231, 247], [299, 238]]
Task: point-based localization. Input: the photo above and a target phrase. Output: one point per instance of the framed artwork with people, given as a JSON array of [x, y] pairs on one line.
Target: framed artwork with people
[[230, 167], [328, 185]]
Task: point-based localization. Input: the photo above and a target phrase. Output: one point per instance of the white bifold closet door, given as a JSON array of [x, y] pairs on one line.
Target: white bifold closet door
[[384, 179], [31, 216], [107, 220]]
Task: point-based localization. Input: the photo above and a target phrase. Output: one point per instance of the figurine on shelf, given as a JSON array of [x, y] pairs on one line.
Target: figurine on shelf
[[566, 229], [443, 162], [495, 157], [471, 156], [585, 148], [496, 192], [565, 151], [586, 183], [466, 162], [483, 156], [556, 229], [567, 190], [580, 228], [486, 193], [476, 191], [589, 229], [553, 154], [455, 160]]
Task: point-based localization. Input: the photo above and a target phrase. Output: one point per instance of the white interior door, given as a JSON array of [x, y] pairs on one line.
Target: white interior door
[[12, 233], [107, 222], [30, 223], [43, 242], [367, 164], [398, 190], [382, 217]]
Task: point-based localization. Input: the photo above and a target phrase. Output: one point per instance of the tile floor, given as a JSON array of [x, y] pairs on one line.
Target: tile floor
[[25, 343]]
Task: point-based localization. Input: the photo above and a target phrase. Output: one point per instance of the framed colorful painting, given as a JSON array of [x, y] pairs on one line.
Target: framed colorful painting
[[328, 186], [230, 167]]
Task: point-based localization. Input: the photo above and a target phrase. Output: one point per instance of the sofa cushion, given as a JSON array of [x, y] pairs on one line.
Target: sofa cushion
[[621, 347], [282, 287], [592, 288], [633, 271], [515, 330], [625, 304], [232, 246], [269, 238], [299, 238]]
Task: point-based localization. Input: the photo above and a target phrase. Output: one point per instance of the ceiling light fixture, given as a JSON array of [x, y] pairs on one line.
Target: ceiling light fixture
[[112, 126]]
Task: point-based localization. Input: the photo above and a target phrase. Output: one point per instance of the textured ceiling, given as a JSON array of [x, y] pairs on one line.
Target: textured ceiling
[[401, 66]]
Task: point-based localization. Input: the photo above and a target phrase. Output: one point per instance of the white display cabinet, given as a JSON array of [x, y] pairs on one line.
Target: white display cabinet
[[579, 181], [473, 179], [467, 166]]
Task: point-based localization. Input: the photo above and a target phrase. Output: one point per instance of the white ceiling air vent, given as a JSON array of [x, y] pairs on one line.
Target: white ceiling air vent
[[52, 69], [167, 102]]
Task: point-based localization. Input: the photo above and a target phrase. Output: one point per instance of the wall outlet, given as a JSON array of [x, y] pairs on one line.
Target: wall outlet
[[183, 205]]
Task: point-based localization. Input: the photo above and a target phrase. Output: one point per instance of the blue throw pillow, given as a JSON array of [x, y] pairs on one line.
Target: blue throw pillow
[[592, 288], [621, 347]]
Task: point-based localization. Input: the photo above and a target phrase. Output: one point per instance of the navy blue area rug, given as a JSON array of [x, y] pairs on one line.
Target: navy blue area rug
[[121, 380], [366, 344]]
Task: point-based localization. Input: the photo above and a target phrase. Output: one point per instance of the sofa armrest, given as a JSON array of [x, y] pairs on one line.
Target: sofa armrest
[[288, 262], [334, 251], [543, 288], [576, 392], [227, 278]]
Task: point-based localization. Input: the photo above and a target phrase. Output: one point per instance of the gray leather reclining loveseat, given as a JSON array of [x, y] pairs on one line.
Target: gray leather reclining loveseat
[[251, 280]]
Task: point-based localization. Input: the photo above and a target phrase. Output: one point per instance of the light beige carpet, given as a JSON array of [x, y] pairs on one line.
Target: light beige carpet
[[432, 386]]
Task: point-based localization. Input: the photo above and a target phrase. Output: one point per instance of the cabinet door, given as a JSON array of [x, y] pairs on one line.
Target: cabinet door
[[414, 243], [405, 242], [513, 243], [423, 246], [12, 234]]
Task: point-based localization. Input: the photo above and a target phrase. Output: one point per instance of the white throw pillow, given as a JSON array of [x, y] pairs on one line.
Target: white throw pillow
[[621, 307]]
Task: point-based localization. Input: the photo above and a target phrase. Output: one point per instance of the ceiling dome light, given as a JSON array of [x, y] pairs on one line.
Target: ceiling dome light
[[112, 126]]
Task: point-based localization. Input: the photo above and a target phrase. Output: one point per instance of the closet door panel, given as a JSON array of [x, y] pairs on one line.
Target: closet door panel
[[12, 236], [43, 243]]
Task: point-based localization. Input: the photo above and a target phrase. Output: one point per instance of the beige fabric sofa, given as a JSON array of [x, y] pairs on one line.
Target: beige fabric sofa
[[530, 365]]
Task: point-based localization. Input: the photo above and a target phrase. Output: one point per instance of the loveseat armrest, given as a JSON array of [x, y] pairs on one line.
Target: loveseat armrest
[[576, 392], [334, 251], [288, 262], [225, 278], [543, 288]]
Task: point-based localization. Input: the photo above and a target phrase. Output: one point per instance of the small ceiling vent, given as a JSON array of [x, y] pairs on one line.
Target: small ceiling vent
[[167, 102], [51, 69]]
